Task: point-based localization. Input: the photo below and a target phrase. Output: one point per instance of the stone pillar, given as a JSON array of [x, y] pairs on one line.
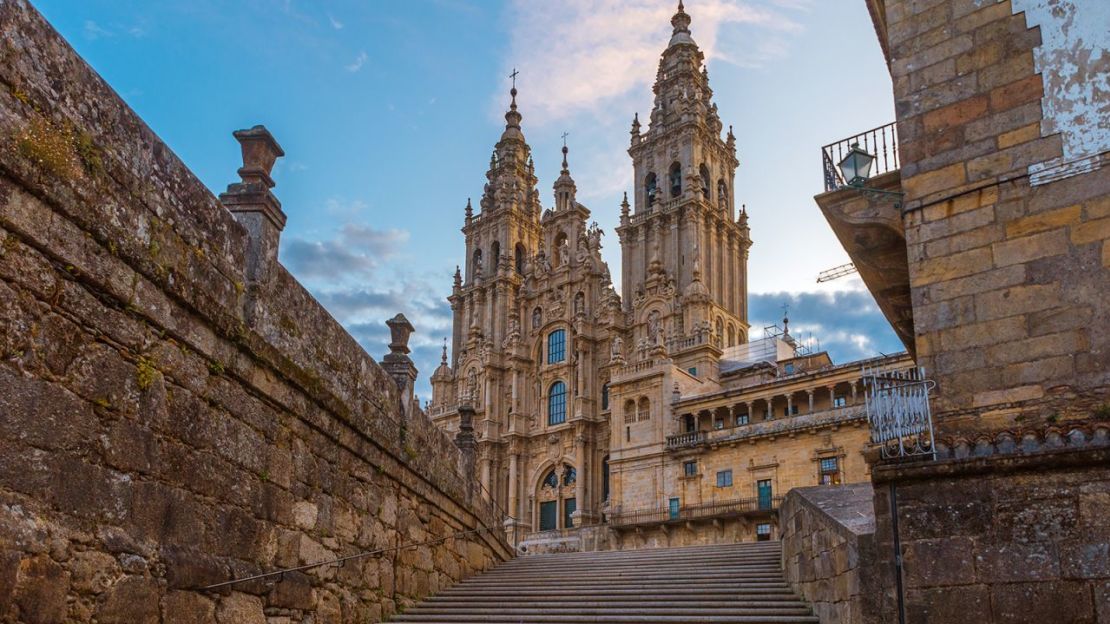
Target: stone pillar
[[790, 404], [770, 408], [832, 396], [810, 393], [751, 411], [854, 392], [256, 208], [581, 511], [514, 486], [398, 363], [484, 467], [464, 439]]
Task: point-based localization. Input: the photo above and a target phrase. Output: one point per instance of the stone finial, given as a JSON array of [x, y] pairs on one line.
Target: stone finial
[[399, 329], [260, 152]]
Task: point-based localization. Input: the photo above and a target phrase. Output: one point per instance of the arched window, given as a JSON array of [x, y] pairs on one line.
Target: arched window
[[643, 409], [604, 397], [649, 189], [557, 346], [570, 476], [688, 423], [731, 335], [520, 258], [557, 404], [495, 252], [705, 183], [476, 264], [551, 480], [676, 180], [629, 411]]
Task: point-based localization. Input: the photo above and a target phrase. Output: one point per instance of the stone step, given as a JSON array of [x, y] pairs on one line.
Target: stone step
[[737, 583], [542, 619], [727, 593], [621, 606]]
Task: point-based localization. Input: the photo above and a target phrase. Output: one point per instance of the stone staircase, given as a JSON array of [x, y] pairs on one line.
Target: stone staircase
[[720, 583]]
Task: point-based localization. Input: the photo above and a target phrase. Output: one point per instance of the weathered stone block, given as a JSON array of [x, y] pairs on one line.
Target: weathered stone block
[[133, 600], [940, 562], [40, 592], [180, 607], [1060, 601]]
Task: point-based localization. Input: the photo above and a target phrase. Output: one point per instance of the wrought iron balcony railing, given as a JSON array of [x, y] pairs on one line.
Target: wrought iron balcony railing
[[881, 142], [898, 410]]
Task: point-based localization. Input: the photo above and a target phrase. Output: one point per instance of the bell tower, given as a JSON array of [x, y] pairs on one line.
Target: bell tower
[[499, 241], [685, 243]]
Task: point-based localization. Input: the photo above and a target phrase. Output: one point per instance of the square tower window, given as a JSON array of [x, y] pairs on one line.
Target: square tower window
[[724, 478]]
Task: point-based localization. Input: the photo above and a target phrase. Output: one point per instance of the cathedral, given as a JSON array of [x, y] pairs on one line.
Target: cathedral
[[649, 416]]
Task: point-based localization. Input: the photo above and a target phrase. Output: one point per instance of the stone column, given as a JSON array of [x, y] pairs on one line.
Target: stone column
[[810, 393], [484, 471], [751, 411], [770, 408], [580, 502], [854, 392], [790, 404], [514, 466], [832, 396]]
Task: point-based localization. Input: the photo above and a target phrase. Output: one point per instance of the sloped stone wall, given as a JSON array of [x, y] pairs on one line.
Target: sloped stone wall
[[828, 551], [156, 438]]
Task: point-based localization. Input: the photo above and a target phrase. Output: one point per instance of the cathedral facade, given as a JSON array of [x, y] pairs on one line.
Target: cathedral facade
[[588, 405]]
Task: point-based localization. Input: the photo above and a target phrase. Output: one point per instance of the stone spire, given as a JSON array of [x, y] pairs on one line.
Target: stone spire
[[565, 188], [512, 119]]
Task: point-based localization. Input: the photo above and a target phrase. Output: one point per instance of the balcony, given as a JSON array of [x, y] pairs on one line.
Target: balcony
[[882, 142], [686, 440], [869, 224], [768, 428], [713, 510]]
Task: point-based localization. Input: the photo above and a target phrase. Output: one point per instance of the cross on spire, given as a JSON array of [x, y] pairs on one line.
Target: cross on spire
[[513, 76]]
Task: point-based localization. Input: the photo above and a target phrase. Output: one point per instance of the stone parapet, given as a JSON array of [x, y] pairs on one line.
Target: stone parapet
[[828, 553]]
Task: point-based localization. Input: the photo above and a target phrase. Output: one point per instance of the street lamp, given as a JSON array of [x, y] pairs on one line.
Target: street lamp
[[855, 168]]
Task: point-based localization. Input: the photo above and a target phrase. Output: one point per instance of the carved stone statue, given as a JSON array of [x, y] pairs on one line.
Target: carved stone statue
[[616, 349], [653, 326]]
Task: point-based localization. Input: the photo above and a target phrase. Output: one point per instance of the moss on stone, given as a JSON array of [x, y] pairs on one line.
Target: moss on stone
[[49, 147], [146, 372]]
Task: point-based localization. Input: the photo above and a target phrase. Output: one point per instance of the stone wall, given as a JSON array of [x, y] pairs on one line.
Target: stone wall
[[828, 551], [169, 419], [1007, 227], [1005, 537]]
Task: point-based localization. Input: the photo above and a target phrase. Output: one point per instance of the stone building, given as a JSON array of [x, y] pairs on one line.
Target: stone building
[[648, 417], [983, 230]]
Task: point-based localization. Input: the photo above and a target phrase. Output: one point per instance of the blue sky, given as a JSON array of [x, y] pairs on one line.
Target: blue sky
[[388, 111]]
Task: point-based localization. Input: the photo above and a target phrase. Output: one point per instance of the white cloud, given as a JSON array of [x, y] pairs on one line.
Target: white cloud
[[357, 64], [96, 31], [581, 55], [336, 24]]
